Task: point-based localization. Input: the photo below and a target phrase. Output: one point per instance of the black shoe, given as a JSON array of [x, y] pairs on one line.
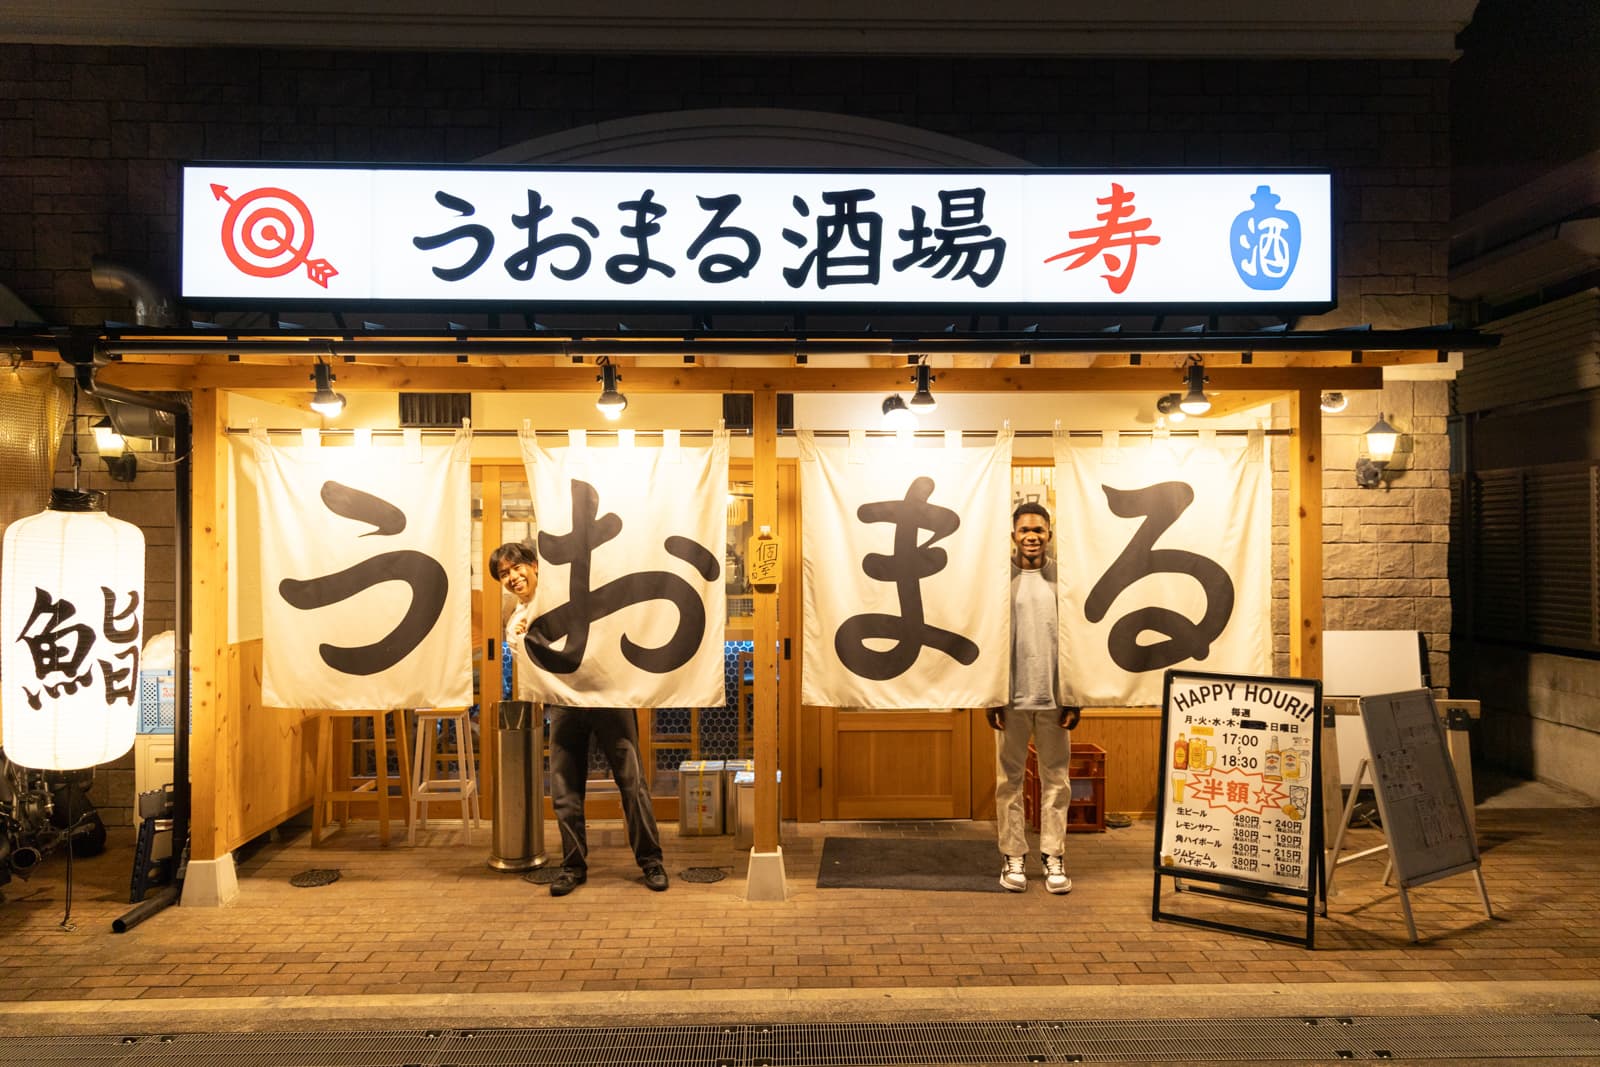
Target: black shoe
[[655, 877], [567, 881]]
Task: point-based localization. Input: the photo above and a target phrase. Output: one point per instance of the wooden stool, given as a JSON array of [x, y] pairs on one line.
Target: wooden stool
[[462, 787], [327, 795]]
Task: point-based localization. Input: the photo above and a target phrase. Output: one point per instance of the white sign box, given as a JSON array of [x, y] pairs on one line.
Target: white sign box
[[560, 237]]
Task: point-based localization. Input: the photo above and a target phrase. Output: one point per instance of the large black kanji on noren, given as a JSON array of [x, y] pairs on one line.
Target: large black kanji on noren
[[1185, 638], [909, 563], [426, 577], [568, 625]]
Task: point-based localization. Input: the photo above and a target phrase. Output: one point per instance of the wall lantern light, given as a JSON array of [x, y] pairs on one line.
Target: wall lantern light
[[1381, 441], [325, 401], [71, 618], [113, 448], [896, 416], [1195, 401], [610, 402], [922, 401]]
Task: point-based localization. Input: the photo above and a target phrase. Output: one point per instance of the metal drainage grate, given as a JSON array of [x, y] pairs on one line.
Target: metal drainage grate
[[316, 876], [1279, 1040], [543, 875], [703, 874]]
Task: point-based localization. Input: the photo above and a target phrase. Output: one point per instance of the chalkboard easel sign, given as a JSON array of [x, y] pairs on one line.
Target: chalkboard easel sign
[[1424, 816], [1240, 797]]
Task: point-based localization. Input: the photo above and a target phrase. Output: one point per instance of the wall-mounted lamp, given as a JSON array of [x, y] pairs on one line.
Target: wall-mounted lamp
[[1195, 401], [922, 401], [121, 464], [325, 401], [1333, 403], [1168, 405], [896, 416], [610, 403], [1381, 441]]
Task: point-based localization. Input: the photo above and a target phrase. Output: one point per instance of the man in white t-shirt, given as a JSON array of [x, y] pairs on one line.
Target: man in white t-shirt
[[1034, 712]]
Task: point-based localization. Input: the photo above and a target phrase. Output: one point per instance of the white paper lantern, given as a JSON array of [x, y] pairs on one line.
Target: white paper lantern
[[71, 618]]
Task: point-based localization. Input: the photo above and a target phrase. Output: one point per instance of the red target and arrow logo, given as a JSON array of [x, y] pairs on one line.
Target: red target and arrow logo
[[267, 233]]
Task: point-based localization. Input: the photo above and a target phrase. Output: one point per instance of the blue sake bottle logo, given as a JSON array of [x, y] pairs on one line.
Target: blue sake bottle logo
[[1265, 241]]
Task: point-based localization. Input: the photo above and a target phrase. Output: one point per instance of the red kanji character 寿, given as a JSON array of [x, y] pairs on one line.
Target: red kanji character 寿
[[1117, 230]]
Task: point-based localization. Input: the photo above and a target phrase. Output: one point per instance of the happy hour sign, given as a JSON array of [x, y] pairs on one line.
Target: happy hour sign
[[1238, 765]]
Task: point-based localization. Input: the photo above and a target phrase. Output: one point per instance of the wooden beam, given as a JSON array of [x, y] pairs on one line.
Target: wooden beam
[[353, 377]]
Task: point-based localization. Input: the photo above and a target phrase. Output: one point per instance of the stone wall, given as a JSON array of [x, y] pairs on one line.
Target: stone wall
[[1385, 550], [1544, 720]]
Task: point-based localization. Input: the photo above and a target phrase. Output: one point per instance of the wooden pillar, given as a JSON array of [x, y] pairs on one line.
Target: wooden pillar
[[765, 433], [209, 628], [765, 878], [1305, 534]]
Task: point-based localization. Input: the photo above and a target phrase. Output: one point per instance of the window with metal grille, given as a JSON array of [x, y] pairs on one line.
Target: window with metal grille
[[1527, 556]]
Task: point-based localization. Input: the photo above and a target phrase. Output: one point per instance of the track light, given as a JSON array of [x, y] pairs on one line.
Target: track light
[[922, 400], [1168, 405], [896, 416], [1195, 401], [325, 401], [610, 403], [1333, 403]]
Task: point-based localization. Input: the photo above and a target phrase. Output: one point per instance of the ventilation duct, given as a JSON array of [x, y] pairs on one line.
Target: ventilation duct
[[152, 304]]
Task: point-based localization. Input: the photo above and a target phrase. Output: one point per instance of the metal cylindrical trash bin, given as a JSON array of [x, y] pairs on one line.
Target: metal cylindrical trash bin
[[518, 843]]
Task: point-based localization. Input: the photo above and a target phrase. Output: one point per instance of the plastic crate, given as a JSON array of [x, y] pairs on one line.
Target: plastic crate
[[1086, 811], [157, 702]]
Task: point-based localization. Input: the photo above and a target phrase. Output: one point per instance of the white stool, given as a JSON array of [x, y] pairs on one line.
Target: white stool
[[460, 788]]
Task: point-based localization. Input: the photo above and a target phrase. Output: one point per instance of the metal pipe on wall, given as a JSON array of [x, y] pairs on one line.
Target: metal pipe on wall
[[80, 348]]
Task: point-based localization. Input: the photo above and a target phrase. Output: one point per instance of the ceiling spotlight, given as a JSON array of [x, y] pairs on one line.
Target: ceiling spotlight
[[1195, 401], [896, 416], [325, 401], [1333, 403], [922, 400], [610, 403], [1168, 405]]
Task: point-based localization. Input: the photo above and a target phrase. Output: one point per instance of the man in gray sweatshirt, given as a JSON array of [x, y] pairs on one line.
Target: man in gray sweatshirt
[[1034, 712]]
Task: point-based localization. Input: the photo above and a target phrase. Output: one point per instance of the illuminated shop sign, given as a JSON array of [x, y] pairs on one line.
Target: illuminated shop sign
[[702, 238]]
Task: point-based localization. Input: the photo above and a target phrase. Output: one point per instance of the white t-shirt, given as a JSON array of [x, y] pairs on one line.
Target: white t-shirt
[[522, 614], [1033, 642]]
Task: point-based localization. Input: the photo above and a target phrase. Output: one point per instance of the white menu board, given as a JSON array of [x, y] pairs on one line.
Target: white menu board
[[1424, 816], [1239, 764]]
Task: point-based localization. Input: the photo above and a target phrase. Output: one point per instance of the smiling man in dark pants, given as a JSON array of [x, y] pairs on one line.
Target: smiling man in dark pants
[[572, 730]]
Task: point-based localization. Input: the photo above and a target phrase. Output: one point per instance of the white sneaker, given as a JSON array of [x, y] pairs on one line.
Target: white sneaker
[[1012, 876], [1055, 875]]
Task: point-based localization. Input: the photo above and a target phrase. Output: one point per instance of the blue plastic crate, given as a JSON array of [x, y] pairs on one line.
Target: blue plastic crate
[[157, 702]]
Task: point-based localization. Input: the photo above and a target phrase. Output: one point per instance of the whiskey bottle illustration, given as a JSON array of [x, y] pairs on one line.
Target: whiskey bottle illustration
[[1272, 763]]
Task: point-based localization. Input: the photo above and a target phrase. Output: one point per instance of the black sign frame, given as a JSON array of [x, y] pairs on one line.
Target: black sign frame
[[1233, 886]]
